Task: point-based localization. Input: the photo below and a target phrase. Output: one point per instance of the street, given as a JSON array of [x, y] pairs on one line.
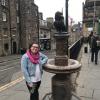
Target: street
[[9, 66], [87, 83]]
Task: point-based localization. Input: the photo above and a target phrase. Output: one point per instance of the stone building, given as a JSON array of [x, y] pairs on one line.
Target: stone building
[[91, 16], [44, 35], [29, 22], [4, 28], [46, 32], [19, 25]]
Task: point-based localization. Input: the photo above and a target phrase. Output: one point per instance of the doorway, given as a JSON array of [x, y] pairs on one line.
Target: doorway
[[14, 48]]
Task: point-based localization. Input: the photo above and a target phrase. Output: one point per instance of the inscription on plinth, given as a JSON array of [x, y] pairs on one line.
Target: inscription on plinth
[[61, 60]]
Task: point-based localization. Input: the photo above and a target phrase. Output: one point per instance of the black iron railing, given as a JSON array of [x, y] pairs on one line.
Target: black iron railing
[[74, 49]]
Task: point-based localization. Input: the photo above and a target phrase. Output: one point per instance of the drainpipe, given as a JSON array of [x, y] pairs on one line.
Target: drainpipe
[[10, 27], [19, 15]]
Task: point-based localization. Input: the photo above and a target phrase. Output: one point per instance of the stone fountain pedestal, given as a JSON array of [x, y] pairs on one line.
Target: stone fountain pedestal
[[63, 68]]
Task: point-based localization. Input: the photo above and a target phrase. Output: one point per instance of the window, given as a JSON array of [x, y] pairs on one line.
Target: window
[[17, 6], [29, 36], [17, 19], [4, 16], [36, 25], [28, 11], [36, 13], [3, 2], [6, 46], [0, 36]]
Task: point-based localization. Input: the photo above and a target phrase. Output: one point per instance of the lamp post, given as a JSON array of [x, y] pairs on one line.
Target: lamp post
[[94, 16], [66, 22], [66, 15]]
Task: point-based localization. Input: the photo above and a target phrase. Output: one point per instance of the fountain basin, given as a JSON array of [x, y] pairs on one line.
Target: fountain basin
[[72, 67]]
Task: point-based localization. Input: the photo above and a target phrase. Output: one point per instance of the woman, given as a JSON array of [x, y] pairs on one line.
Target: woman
[[31, 65]]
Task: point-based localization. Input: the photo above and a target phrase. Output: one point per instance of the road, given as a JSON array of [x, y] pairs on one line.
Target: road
[[9, 66]]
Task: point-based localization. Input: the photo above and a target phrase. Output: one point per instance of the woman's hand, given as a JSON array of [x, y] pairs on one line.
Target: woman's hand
[[30, 84]]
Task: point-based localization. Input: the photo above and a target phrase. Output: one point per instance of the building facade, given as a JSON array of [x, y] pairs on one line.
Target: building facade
[[19, 25], [44, 35], [4, 28], [91, 17]]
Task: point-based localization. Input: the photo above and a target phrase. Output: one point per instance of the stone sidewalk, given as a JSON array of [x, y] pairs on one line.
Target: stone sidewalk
[[87, 83]]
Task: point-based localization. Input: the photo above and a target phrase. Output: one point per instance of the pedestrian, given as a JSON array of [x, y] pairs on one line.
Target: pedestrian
[[89, 38], [94, 48], [31, 64], [23, 50]]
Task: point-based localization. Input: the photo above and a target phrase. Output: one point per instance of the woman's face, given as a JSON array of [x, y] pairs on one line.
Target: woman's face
[[34, 48]]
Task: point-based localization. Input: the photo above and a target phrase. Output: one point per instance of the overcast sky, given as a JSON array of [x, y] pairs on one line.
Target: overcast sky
[[49, 7]]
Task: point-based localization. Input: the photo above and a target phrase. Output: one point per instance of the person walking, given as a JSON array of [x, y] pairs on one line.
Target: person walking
[[31, 65], [94, 48], [89, 38]]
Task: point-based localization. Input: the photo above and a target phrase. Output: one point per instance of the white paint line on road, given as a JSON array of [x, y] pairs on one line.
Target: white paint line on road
[[9, 67], [6, 69], [2, 88]]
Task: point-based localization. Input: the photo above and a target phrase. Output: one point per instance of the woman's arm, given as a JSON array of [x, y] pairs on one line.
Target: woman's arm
[[24, 64], [43, 58]]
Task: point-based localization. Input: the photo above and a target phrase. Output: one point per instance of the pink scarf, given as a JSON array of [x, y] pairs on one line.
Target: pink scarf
[[34, 58]]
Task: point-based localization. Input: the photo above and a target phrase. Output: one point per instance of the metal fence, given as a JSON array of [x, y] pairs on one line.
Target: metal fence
[[74, 49]]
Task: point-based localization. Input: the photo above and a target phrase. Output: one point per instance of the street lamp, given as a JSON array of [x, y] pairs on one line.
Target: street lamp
[[94, 16], [66, 15], [66, 21]]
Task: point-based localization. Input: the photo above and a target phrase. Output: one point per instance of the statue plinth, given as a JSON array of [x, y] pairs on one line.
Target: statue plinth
[[61, 58], [61, 85]]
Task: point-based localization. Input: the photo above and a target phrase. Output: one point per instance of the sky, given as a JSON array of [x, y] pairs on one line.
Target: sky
[[50, 7]]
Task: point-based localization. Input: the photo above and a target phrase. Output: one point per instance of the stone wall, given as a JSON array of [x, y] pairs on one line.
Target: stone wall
[[29, 22]]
